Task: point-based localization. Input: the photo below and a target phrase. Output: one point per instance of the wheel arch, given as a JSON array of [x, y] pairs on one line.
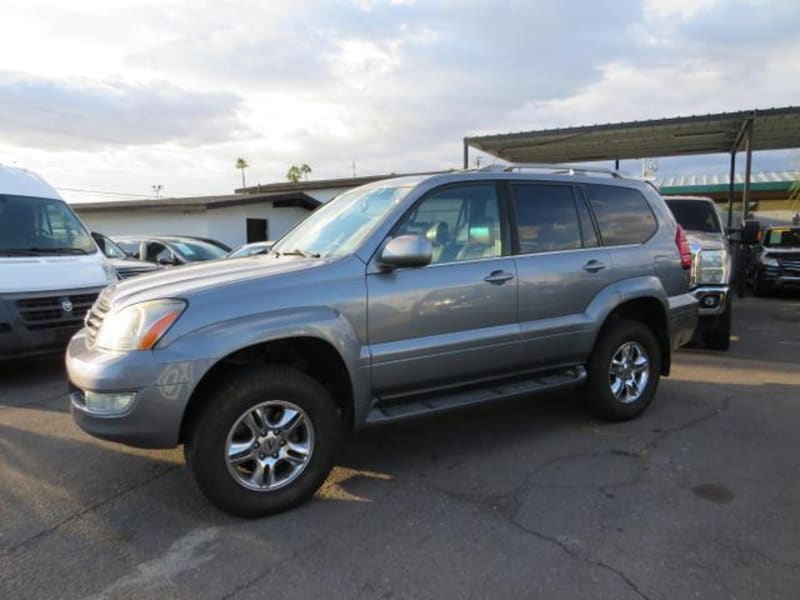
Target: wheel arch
[[651, 311], [314, 356]]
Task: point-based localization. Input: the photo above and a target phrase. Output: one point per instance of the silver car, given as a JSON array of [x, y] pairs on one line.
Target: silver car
[[401, 298]]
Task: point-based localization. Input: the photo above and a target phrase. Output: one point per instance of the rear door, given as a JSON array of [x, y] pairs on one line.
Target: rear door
[[454, 320], [561, 268]]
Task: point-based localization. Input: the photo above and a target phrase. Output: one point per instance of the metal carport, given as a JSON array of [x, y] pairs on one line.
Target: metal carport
[[767, 129]]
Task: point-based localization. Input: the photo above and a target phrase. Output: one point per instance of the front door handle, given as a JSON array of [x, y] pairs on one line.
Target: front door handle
[[498, 277], [593, 266]]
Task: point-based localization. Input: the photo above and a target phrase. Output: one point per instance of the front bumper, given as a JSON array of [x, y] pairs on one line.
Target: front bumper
[[162, 391], [682, 319], [712, 299], [778, 277]]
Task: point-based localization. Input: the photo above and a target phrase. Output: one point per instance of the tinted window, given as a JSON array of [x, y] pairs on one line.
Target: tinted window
[[195, 250], [462, 223], [547, 219], [695, 215], [782, 238], [131, 247], [622, 214]]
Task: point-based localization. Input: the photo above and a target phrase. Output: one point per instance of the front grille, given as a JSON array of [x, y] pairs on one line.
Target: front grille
[[55, 312], [95, 318], [790, 264]]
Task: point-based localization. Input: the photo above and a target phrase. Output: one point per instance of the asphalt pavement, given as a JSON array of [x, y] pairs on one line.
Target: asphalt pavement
[[523, 499]]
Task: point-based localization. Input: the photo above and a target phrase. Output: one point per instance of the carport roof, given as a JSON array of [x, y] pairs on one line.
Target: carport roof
[[774, 128]]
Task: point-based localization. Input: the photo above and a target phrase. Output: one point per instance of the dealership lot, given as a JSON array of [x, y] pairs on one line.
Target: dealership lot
[[525, 498]]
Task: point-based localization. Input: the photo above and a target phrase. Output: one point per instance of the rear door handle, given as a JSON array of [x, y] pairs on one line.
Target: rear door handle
[[593, 266], [498, 277]]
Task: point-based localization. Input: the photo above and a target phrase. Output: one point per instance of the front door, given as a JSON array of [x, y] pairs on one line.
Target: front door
[[454, 320]]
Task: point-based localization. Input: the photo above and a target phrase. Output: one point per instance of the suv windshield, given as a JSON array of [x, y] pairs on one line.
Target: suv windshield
[[340, 226], [34, 226], [783, 237], [695, 215]]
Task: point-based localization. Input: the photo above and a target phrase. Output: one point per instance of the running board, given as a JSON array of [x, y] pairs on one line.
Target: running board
[[424, 405]]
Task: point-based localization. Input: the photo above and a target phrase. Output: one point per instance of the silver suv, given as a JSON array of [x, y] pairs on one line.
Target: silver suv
[[401, 298]]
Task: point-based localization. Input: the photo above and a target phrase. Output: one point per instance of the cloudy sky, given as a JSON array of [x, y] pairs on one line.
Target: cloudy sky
[[118, 95]]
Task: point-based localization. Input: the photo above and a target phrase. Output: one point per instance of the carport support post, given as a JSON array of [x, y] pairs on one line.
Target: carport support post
[[466, 153], [748, 149], [730, 189]]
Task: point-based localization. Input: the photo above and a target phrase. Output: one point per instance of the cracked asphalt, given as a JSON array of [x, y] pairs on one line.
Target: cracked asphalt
[[524, 499]]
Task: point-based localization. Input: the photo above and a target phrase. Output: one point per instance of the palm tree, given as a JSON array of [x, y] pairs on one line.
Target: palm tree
[[241, 164], [305, 170], [293, 174]]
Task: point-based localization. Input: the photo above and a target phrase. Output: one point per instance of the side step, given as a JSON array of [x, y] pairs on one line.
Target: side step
[[428, 404]]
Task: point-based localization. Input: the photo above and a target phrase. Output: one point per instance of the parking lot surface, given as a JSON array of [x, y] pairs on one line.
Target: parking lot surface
[[526, 498]]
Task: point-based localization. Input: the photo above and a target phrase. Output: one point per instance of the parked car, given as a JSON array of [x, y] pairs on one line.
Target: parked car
[[211, 241], [397, 299], [50, 268], [124, 264], [170, 250], [711, 266], [776, 260], [250, 249]]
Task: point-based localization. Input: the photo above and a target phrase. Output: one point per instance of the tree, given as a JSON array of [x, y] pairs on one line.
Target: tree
[[241, 164], [295, 173]]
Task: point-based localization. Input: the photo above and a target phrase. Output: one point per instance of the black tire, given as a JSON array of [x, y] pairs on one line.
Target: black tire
[[760, 288], [719, 338], [230, 398], [596, 394]]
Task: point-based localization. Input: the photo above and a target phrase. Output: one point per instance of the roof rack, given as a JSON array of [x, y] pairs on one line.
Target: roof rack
[[558, 169]]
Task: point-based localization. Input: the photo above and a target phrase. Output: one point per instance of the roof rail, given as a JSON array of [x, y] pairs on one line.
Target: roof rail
[[557, 169]]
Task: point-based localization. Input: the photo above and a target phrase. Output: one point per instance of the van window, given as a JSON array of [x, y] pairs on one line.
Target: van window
[[35, 226], [547, 219], [622, 213]]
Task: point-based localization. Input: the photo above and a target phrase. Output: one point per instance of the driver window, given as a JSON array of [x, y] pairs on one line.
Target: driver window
[[462, 223], [158, 253]]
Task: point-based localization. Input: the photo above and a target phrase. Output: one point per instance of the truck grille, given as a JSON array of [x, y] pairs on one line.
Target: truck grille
[[54, 312], [791, 264], [94, 319]]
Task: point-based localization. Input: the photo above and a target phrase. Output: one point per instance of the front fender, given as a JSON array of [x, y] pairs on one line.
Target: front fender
[[203, 348]]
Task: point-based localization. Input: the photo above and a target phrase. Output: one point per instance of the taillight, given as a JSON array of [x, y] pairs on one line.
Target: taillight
[[683, 248]]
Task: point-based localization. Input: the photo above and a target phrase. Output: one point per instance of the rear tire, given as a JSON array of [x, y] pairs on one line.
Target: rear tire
[[240, 450], [719, 338], [616, 389]]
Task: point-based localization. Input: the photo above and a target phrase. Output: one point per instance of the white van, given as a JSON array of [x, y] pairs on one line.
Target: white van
[[50, 267]]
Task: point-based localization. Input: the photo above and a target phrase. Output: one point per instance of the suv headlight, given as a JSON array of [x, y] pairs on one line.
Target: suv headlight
[[139, 326], [712, 267], [768, 261]]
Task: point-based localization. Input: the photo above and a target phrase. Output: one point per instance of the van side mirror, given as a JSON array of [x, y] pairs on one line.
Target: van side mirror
[[407, 251]]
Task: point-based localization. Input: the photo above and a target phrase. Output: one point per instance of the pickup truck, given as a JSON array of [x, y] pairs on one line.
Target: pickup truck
[[711, 266]]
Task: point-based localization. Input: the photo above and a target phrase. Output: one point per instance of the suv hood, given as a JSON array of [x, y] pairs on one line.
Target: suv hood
[[198, 278], [706, 240]]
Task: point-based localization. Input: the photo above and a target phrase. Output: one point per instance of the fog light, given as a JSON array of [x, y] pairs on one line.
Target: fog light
[[108, 404], [710, 301]]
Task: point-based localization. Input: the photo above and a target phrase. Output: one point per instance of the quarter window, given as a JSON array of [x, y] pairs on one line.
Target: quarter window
[[547, 220], [622, 213]]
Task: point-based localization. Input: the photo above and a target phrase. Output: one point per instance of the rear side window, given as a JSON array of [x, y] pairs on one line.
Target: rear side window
[[547, 219], [622, 214]]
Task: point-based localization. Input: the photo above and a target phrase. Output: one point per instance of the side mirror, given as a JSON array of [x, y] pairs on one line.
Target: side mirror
[[166, 261], [407, 251]]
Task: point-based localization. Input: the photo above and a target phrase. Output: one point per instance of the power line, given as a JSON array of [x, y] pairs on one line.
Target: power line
[[103, 192]]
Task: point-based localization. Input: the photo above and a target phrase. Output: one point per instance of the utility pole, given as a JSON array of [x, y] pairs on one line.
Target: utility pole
[[354, 167], [157, 190]]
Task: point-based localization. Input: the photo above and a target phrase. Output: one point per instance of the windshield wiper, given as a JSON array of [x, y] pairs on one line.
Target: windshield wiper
[[36, 251], [299, 252]]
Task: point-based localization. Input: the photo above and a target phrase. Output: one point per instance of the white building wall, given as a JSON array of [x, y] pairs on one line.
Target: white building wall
[[228, 224]]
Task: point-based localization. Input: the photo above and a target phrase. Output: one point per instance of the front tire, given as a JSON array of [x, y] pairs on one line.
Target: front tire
[[719, 338], [264, 441], [624, 370]]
